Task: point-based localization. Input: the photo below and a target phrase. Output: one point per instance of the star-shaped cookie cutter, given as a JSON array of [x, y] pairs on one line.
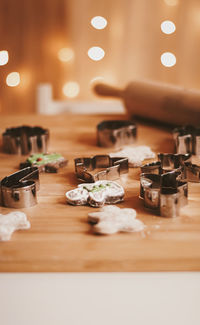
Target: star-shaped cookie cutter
[[116, 133], [111, 168], [19, 190], [24, 140]]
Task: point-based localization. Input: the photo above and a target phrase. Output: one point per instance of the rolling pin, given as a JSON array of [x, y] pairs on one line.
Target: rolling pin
[[157, 101]]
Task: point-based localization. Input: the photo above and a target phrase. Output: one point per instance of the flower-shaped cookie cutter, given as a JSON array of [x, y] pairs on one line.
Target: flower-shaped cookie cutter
[[25, 140], [96, 194], [164, 193], [111, 168], [19, 190], [116, 133], [187, 140]]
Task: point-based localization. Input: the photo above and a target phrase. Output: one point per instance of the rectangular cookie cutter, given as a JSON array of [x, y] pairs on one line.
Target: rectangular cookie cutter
[[112, 168], [19, 190]]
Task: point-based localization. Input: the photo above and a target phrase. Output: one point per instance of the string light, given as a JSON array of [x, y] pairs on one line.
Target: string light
[[171, 2], [13, 79], [96, 53], [168, 27], [168, 59], [71, 89], [65, 54], [4, 57], [99, 22]]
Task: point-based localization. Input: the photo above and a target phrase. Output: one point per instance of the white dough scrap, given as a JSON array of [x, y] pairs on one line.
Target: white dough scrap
[[111, 219], [135, 155], [11, 222]]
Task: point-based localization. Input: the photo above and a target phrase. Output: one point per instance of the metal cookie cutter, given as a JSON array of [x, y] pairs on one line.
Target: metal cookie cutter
[[116, 133], [19, 189], [112, 168], [25, 140], [191, 172], [167, 162], [182, 162], [165, 194], [187, 140]]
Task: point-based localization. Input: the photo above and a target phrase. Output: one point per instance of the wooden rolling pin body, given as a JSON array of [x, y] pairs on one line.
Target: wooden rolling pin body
[[158, 101]]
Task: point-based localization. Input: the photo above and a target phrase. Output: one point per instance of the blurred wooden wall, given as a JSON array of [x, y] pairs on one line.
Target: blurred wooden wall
[[33, 31], [133, 41]]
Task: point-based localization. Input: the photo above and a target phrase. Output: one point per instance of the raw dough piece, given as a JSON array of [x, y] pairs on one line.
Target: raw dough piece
[[96, 194], [135, 155], [111, 219], [11, 222]]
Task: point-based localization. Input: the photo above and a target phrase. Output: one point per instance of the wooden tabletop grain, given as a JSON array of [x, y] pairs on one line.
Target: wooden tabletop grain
[[60, 239]]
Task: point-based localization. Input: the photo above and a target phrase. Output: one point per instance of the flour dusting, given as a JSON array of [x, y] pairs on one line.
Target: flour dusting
[[135, 155]]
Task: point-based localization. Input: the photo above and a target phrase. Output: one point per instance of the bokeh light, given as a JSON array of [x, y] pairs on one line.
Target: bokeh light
[[13, 79], [99, 22], [96, 53], [65, 54], [4, 57], [168, 27], [71, 89], [168, 59]]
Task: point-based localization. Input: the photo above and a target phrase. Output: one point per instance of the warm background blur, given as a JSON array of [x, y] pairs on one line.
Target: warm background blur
[[48, 42]]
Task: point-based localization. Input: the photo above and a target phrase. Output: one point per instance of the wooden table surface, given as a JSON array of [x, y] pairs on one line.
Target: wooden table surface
[[60, 239]]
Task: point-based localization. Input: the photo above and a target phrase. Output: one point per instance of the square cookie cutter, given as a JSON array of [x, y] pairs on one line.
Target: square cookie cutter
[[112, 168], [116, 133], [24, 140], [19, 190], [164, 194]]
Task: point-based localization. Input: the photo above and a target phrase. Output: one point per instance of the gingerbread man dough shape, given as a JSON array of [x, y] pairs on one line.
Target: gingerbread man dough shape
[[96, 194], [111, 219]]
